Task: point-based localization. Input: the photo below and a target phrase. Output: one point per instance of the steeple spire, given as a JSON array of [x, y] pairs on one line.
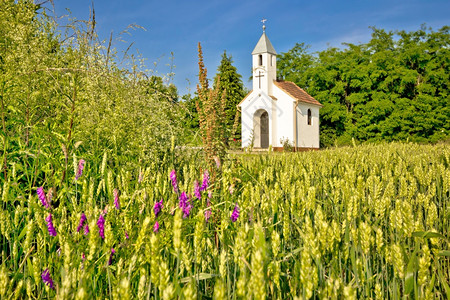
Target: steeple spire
[[264, 63], [264, 45]]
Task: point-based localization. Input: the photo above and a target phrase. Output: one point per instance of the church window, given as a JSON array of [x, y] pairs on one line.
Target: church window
[[271, 60], [260, 59], [309, 116]]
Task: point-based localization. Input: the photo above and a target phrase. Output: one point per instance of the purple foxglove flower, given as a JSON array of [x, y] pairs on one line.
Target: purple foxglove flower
[[101, 226], [41, 195], [156, 227], [86, 229], [183, 199], [80, 169], [126, 235], [157, 207], [235, 214], [173, 178], [83, 256], [47, 279], [207, 215], [185, 205], [82, 220], [187, 210], [51, 229], [197, 193], [116, 198], [111, 256], [205, 182]]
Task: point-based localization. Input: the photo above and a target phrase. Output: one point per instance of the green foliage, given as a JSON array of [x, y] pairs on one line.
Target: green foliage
[[190, 120], [396, 87], [287, 144], [231, 83], [58, 91]]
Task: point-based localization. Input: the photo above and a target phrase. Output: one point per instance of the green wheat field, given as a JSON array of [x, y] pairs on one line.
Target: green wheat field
[[359, 222]]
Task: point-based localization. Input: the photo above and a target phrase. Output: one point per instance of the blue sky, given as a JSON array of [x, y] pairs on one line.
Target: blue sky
[[235, 26]]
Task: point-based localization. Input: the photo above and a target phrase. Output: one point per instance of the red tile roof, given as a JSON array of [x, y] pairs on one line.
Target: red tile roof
[[296, 92]]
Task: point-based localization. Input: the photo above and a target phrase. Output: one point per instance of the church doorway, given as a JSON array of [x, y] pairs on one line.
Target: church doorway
[[261, 129]]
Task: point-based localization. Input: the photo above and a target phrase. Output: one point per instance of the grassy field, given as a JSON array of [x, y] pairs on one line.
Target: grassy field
[[370, 221]]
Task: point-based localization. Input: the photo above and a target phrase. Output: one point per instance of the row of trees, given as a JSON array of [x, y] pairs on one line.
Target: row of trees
[[395, 87]]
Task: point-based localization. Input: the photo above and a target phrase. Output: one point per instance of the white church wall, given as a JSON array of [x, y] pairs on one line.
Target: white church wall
[[255, 102], [285, 113], [307, 135]]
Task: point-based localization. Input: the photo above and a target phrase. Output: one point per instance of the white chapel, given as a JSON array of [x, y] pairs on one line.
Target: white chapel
[[277, 110]]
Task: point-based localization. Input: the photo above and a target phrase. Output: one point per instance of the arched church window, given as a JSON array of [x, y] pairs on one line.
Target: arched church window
[[309, 116], [260, 60]]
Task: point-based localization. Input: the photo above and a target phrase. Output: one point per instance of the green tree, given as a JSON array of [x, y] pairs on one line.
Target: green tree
[[231, 83], [395, 87], [191, 125], [294, 65]]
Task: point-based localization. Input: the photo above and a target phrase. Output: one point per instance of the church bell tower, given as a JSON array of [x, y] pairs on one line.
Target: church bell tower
[[264, 64]]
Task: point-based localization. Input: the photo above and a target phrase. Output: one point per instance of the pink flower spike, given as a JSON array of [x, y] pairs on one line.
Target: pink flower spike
[[86, 229], [82, 220], [197, 193], [81, 163], [173, 178], [205, 182], [116, 198], [46, 278], [235, 214], [41, 195], [207, 215], [158, 207], [101, 226], [156, 227], [51, 229]]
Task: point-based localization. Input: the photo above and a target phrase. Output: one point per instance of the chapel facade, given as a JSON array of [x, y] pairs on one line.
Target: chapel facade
[[277, 110]]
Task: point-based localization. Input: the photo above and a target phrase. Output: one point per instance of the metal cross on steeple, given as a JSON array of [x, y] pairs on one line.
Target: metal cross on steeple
[[264, 25]]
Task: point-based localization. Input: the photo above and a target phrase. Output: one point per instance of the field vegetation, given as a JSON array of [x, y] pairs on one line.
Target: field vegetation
[[101, 199], [363, 222]]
